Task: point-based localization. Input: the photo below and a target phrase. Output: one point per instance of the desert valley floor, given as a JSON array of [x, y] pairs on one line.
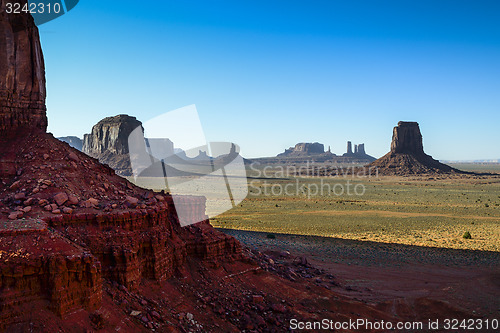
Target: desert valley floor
[[403, 239]]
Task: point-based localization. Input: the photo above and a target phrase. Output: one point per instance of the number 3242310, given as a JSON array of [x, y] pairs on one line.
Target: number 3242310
[[33, 8]]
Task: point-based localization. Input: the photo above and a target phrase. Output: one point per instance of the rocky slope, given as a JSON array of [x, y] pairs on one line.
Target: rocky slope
[[407, 155]]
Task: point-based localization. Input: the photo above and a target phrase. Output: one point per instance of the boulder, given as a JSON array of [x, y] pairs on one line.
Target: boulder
[[60, 198]]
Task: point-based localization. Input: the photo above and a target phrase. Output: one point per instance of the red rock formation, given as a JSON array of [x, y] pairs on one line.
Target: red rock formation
[[91, 211], [304, 149], [101, 226], [22, 75], [406, 138], [38, 264], [407, 155]]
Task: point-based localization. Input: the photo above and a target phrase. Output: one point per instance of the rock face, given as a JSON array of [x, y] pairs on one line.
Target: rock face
[[359, 152], [86, 226], [108, 142], [73, 141], [406, 138], [22, 75], [407, 155], [110, 134], [349, 147], [304, 149], [361, 149]]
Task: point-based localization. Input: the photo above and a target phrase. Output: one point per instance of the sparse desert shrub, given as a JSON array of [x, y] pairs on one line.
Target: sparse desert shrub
[[467, 235], [271, 236]]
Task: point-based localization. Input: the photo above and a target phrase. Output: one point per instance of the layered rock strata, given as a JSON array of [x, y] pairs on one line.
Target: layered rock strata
[[105, 229], [22, 75]]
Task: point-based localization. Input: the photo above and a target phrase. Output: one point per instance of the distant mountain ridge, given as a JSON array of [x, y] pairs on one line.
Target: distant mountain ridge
[[73, 141], [472, 161]]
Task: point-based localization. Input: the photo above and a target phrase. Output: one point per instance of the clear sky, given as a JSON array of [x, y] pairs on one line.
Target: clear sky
[[269, 74]]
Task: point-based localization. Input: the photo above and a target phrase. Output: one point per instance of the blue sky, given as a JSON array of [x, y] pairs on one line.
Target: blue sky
[[269, 74]]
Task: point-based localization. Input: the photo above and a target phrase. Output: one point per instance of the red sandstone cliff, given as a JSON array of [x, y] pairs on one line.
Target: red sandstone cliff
[[22, 74]]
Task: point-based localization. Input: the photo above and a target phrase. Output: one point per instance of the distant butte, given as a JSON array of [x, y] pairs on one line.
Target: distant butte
[[108, 142], [407, 156]]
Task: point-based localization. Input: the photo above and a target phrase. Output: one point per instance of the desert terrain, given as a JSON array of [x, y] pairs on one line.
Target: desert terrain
[[432, 211], [403, 240]]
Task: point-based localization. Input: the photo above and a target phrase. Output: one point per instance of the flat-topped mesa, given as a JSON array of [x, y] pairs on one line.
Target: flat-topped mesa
[[108, 142], [304, 149], [406, 138], [22, 74], [110, 134]]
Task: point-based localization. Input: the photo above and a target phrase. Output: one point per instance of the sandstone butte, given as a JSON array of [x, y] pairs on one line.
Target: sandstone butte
[[407, 156], [82, 249]]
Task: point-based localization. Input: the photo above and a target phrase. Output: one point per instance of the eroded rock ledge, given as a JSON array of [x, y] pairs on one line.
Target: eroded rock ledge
[[64, 259]]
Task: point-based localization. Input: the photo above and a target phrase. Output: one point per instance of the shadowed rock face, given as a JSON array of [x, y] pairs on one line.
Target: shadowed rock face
[[406, 138], [22, 75], [110, 134], [349, 147], [304, 149], [108, 142]]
